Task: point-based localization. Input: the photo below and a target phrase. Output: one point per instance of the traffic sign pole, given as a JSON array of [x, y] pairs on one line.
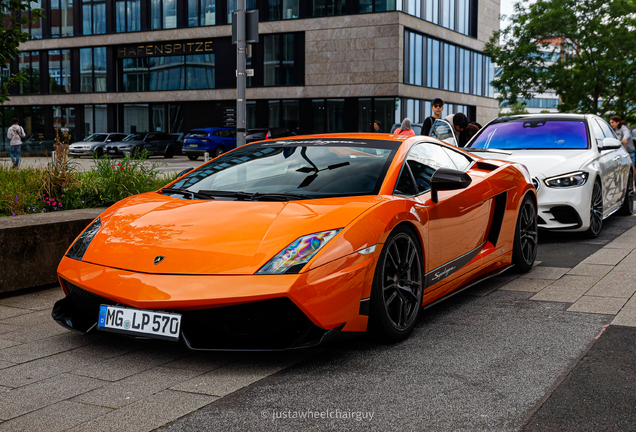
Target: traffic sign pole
[[241, 81]]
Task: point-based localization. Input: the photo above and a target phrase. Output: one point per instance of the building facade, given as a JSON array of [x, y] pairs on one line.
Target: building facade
[[319, 66]]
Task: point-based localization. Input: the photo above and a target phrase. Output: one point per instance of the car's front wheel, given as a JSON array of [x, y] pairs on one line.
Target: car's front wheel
[[398, 287], [526, 242], [596, 211], [218, 151], [169, 153], [627, 209]]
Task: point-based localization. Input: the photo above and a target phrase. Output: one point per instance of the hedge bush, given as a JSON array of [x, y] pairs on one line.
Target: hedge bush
[[66, 187]]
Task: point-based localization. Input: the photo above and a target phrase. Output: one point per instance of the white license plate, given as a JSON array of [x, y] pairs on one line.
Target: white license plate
[[156, 325], [194, 145], [112, 151]]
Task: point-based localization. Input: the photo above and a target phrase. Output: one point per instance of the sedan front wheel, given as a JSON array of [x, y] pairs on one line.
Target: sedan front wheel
[[596, 211]]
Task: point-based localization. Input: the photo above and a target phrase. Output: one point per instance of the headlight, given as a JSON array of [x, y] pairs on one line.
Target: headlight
[[568, 180], [78, 249], [294, 257]]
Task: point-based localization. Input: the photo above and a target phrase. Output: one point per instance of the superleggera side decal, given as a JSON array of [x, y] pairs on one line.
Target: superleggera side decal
[[445, 270]]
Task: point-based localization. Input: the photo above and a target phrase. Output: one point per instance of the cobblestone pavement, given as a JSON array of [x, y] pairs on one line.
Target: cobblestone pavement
[[52, 379]]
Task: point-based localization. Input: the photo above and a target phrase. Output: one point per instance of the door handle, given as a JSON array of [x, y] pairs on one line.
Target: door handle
[[617, 158]]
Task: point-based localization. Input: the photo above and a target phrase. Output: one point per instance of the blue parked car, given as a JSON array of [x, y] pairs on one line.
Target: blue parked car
[[213, 140]]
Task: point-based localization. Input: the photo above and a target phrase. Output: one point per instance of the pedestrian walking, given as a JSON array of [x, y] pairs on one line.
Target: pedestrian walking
[[63, 141], [15, 133], [377, 126], [437, 106], [405, 128], [624, 136]]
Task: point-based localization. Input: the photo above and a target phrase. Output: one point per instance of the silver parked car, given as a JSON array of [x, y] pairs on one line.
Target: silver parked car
[[94, 144]]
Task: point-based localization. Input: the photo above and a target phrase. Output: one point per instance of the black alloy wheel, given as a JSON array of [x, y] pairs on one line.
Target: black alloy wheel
[[218, 151], [99, 152], [193, 157], [398, 287], [627, 209], [526, 241], [169, 153], [596, 211]]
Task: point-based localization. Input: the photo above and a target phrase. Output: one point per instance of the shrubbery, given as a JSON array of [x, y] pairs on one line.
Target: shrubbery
[[65, 187]]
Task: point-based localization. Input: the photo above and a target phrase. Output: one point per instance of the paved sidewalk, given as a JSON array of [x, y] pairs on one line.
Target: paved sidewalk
[[52, 379], [603, 283]]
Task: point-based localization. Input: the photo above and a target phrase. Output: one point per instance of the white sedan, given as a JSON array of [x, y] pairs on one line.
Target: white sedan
[[581, 171]]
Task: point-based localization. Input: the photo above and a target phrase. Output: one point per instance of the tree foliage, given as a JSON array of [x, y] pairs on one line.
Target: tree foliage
[[585, 50], [11, 35]]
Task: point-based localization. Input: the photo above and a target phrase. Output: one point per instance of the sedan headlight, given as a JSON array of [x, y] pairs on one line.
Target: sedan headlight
[[78, 249], [568, 180], [294, 257]]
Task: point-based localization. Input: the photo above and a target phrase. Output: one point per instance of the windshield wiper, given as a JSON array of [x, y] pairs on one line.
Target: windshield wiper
[[228, 194], [486, 150], [186, 193], [257, 196], [282, 196]]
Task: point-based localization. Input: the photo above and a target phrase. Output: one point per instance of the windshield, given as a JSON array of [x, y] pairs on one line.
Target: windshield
[[135, 137], [530, 134], [314, 171], [96, 138], [197, 134]]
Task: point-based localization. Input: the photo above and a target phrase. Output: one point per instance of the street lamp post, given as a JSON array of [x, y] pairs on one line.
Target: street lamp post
[[241, 81]]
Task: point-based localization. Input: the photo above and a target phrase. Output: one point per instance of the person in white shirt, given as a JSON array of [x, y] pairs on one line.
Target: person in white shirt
[[15, 133]]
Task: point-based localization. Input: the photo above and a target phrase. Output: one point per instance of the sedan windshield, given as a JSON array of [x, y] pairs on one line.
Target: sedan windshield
[[96, 138], [292, 170], [135, 137], [532, 134]]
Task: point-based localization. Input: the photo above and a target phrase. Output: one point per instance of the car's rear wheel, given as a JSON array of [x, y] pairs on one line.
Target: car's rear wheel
[[627, 209], [596, 211], [398, 286], [524, 249], [193, 157], [218, 151], [169, 153]]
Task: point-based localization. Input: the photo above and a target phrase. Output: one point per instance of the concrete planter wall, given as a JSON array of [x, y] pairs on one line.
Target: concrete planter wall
[[31, 246]]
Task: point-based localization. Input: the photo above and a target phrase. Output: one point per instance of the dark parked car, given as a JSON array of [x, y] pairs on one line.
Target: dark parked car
[[94, 144], [155, 143], [178, 140], [260, 134], [215, 141]]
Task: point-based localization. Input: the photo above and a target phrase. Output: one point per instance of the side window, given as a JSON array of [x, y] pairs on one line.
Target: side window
[[597, 131], [225, 133], [607, 130], [461, 161], [423, 160], [405, 185], [150, 137], [232, 134], [216, 133]]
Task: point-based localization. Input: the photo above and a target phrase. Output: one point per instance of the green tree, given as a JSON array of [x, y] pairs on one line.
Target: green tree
[[517, 107], [585, 50], [11, 35]]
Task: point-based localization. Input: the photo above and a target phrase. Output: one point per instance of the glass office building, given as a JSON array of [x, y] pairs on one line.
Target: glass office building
[[319, 66]]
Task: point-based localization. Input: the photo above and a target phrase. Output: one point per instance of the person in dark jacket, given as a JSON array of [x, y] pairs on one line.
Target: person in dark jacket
[[437, 106]]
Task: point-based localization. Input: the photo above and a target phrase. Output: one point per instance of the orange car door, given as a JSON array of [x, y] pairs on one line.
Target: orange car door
[[458, 222]]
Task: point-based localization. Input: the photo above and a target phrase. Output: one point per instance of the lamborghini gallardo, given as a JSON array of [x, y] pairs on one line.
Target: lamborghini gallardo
[[288, 243]]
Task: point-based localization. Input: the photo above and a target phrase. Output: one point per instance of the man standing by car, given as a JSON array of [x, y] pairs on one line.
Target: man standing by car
[[624, 136], [459, 122], [437, 106]]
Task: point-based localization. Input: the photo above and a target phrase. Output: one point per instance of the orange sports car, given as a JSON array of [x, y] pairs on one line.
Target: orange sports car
[[287, 243]]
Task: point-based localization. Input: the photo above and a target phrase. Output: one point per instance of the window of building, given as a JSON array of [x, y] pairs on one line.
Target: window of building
[[95, 119], [249, 5], [29, 65], [61, 18], [93, 69], [60, 71], [455, 15], [163, 14], [93, 17], [283, 113], [328, 7], [128, 16], [66, 115], [201, 13], [376, 6], [33, 28], [169, 73], [279, 60], [429, 62], [136, 118], [283, 9]]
